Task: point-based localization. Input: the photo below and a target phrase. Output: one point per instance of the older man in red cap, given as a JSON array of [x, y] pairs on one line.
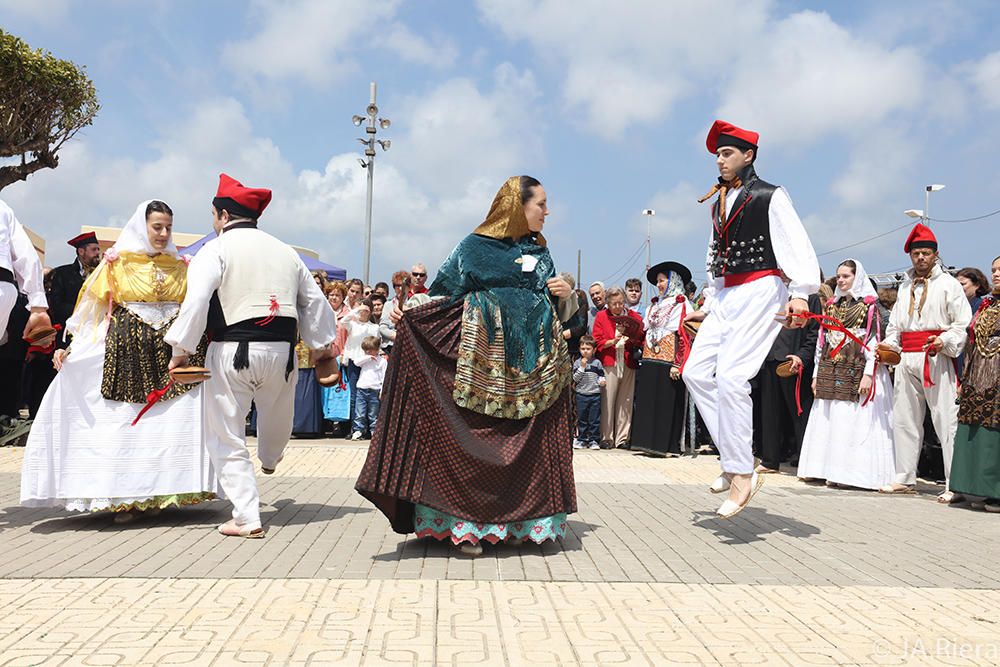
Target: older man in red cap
[[756, 240], [256, 298], [68, 278], [928, 326]]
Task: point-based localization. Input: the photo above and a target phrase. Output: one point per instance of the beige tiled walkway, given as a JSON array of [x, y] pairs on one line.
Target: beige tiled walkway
[[647, 577]]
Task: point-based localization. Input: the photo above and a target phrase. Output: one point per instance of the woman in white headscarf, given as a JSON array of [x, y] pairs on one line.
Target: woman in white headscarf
[[659, 406], [98, 441], [848, 441]]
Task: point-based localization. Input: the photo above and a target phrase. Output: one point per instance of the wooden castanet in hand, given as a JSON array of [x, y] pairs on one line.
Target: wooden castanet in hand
[[327, 372], [189, 374]]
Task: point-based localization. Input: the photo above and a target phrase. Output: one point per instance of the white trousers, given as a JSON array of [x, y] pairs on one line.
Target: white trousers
[[228, 395], [910, 402], [728, 352], [8, 299]]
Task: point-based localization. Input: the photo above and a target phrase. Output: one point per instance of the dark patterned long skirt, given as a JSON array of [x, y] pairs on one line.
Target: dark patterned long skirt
[[658, 416], [428, 451], [136, 358]]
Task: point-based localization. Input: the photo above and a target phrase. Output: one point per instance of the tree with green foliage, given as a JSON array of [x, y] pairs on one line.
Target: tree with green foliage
[[44, 102]]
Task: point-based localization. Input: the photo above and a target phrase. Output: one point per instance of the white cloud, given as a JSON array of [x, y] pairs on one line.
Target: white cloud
[[985, 76], [426, 196], [439, 52], [810, 78], [630, 62], [457, 133], [878, 167], [312, 41], [798, 78]]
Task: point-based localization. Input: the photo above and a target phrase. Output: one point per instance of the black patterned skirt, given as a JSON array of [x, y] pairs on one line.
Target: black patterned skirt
[[136, 359]]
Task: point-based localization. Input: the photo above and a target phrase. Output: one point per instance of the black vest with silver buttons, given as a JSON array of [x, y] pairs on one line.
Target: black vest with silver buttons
[[742, 243]]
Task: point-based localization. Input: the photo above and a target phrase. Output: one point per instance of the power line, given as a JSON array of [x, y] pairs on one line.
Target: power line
[[978, 217], [863, 241], [896, 229], [627, 264], [625, 272]]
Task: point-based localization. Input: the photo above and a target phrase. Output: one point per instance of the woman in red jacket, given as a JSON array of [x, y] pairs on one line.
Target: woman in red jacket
[[618, 334]]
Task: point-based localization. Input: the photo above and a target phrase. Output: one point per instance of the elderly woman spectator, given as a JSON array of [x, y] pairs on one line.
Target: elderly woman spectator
[[618, 333]]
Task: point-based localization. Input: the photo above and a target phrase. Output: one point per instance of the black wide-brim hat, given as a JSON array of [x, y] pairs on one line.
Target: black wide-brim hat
[[667, 267]]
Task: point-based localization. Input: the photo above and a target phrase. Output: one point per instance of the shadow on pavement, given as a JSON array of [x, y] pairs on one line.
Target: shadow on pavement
[[753, 525], [285, 512]]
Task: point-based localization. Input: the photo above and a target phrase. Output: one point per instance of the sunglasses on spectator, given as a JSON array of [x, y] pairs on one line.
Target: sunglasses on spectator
[[397, 285], [417, 274]]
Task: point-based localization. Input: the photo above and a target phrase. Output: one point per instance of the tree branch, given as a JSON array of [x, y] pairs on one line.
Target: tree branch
[[20, 172]]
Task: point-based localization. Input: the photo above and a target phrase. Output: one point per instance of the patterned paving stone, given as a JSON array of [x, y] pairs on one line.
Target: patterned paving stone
[[646, 576]]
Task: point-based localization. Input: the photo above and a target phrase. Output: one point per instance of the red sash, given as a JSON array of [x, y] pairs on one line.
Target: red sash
[[914, 341], [734, 279]]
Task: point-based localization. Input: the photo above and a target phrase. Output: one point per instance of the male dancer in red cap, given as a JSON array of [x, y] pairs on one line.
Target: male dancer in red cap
[[928, 325], [256, 298], [757, 238]]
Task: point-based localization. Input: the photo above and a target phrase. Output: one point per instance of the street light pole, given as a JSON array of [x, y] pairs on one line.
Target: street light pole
[[925, 215], [649, 213], [927, 200], [368, 163]]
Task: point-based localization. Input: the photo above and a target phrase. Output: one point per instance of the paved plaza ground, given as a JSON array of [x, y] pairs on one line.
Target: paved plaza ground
[[647, 576]]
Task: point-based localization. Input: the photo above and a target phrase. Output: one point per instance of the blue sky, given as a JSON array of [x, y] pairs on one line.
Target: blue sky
[[859, 105]]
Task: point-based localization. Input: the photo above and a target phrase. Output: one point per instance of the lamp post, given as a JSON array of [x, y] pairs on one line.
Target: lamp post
[[925, 215], [927, 200], [649, 213], [368, 162]]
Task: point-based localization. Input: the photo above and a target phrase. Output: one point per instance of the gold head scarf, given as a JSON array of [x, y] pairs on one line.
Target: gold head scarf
[[506, 217]]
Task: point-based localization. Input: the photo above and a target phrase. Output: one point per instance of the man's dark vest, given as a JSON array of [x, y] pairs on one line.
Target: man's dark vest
[[742, 243]]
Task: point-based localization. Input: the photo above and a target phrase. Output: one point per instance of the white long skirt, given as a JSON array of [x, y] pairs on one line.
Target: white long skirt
[[83, 453], [849, 444]]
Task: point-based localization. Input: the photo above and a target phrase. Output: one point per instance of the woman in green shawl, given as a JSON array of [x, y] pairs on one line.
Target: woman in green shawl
[[476, 439]]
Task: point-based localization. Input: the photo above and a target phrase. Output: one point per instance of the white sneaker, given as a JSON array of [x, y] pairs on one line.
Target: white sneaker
[[356, 435], [720, 485], [595, 445], [577, 444]]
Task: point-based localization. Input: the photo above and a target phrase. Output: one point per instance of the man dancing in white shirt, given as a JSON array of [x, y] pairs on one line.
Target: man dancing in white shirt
[[256, 298], [756, 239]]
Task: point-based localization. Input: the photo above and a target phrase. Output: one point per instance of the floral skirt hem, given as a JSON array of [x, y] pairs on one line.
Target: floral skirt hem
[[429, 522], [140, 504]]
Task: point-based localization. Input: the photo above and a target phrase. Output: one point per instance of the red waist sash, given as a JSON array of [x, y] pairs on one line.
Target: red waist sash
[[914, 341], [734, 279]]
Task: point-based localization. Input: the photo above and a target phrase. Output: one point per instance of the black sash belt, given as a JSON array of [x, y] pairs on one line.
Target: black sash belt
[[278, 330], [6, 276]]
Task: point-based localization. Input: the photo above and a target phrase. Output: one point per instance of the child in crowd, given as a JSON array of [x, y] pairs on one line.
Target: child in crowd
[[357, 322], [366, 407], [588, 376]]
